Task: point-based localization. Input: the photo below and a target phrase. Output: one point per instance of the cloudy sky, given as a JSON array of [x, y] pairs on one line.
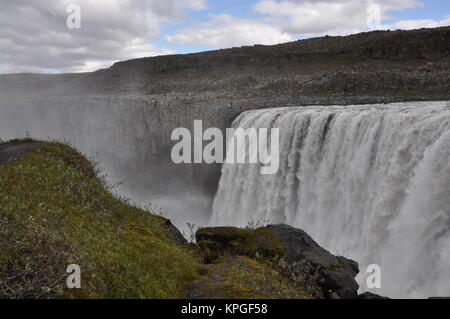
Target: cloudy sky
[[35, 37]]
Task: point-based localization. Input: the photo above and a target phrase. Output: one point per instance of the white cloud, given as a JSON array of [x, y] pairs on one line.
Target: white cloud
[[333, 17], [34, 36], [416, 24], [284, 20], [314, 18], [226, 31]]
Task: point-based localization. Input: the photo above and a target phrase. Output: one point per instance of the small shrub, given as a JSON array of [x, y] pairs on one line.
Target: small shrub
[[301, 273]]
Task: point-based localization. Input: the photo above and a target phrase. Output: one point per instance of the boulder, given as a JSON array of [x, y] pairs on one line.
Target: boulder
[[336, 274], [223, 241], [174, 233]]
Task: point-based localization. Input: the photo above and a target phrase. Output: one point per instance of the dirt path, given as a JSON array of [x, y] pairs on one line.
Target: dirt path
[[12, 151]]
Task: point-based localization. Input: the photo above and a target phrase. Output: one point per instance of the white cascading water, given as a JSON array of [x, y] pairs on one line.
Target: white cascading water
[[371, 183]]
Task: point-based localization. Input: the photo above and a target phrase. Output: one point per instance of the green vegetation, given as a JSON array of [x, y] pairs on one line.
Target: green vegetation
[[244, 278], [220, 241], [54, 211], [247, 263]]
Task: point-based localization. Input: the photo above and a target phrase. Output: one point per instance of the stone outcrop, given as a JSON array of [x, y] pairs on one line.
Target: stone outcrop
[[174, 233], [336, 274], [230, 241], [285, 248], [240, 277]]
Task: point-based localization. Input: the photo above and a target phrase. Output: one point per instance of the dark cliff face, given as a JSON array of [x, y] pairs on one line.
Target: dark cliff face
[[373, 64], [125, 114], [392, 64]]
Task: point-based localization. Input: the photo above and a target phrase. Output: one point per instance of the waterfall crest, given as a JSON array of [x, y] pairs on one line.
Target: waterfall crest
[[369, 182]]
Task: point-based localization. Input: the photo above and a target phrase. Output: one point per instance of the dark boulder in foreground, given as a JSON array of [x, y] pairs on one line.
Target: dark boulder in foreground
[[336, 274], [226, 241]]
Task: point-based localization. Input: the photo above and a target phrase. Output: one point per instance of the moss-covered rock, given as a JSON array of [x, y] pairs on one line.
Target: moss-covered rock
[[241, 277], [222, 241]]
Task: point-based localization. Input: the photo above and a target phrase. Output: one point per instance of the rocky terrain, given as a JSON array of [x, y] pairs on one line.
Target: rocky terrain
[[125, 114], [271, 260]]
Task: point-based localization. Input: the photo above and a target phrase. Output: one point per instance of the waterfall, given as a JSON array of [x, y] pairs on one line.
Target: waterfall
[[369, 182]]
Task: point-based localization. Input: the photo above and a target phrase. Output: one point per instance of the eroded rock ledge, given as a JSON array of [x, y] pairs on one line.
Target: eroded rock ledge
[[277, 261]]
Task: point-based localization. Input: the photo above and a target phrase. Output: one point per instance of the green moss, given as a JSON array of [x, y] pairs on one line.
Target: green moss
[[54, 212], [245, 278], [70, 157], [220, 241]]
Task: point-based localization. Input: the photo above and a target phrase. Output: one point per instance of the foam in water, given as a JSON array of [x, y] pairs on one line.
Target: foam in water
[[369, 182]]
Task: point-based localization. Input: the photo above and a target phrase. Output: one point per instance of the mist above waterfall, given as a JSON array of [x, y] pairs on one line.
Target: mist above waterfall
[[129, 136], [368, 182]]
